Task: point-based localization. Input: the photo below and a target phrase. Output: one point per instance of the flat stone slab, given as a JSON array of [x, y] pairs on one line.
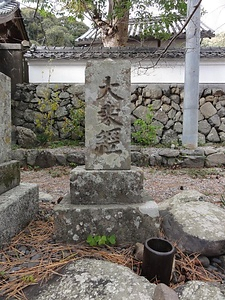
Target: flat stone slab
[[196, 226], [18, 207], [130, 223], [106, 186], [9, 175], [88, 279]]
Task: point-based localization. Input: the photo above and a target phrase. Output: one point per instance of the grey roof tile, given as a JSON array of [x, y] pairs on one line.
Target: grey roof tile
[[137, 27], [80, 53], [7, 7]]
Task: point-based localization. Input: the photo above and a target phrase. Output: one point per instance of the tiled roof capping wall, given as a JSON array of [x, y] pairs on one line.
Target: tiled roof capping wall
[[80, 53], [137, 27], [7, 7]]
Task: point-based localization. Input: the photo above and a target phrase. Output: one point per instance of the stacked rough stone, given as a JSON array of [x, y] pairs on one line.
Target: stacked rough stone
[[166, 101], [18, 202]]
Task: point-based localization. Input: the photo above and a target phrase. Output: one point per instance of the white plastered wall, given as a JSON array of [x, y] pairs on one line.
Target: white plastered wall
[[166, 71]]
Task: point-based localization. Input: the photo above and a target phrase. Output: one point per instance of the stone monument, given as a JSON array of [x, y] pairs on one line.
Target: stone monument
[[106, 195], [18, 202]]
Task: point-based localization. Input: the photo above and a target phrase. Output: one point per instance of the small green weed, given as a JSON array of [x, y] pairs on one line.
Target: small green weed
[[28, 278], [2, 274], [145, 133], [99, 240], [74, 124]]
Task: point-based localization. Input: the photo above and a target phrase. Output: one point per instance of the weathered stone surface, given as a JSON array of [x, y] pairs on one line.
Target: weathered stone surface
[[169, 137], [43, 91], [163, 292], [106, 186], [88, 279], [161, 116], [208, 110], [169, 152], [204, 127], [129, 222], [139, 159], [213, 136], [153, 92], [17, 208], [5, 117], [45, 159], [20, 155], [214, 121], [140, 112], [107, 115], [215, 159], [76, 157], [196, 226], [193, 162], [25, 137], [9, 175], [156, 104], [61, 112], [198, 290], [45, 197]]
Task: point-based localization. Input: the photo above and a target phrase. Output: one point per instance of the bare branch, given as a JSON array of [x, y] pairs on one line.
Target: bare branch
[[175, 36]]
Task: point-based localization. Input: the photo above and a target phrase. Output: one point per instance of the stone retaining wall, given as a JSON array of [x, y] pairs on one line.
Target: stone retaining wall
[[142, 157], [166, 101]]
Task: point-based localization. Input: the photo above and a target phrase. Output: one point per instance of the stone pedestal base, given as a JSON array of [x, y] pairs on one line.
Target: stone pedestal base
[[106, 186], [9, 175], [130, 223], [18, 207]]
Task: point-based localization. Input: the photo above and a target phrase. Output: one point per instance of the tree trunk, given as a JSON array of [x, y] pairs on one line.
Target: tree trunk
[[117, 34], [114, 31]]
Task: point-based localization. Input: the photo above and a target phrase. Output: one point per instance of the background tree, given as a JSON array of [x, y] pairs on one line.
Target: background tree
[[44, 28], [112, 16], [217, 41]]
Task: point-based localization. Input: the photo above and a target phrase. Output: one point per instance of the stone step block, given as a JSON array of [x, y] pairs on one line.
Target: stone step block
[[18, 207], [130, 223], [9, 175], [106, 186]]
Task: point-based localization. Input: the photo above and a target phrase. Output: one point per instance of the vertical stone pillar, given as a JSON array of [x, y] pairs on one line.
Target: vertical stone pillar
[[107, 115], [5, 117], [107, 195], [18, 202]]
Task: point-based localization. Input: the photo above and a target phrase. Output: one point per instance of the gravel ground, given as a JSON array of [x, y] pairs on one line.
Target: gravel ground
[[161, 183], [33, 255]]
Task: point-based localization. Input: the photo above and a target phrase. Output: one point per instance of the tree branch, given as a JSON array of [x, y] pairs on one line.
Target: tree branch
[[176, 35]]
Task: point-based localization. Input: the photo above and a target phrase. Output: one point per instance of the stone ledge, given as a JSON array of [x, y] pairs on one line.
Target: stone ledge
[[18, 207], [206, 156], [130, 223]]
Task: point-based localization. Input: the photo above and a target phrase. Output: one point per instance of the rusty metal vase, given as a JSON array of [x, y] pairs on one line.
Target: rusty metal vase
[[158, 260]]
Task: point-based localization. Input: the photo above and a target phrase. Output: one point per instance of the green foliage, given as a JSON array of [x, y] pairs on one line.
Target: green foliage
[[99, 240], [146, 132], [45, 121], [103, 12], [74, 124], [44, 28]]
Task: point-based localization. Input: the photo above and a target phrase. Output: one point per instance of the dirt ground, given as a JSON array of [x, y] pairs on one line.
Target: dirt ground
[[161, 183]]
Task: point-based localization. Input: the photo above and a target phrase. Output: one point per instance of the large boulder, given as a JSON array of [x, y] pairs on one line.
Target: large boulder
[[25, 137], [94, 279], [195, 225], [198, 290]]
